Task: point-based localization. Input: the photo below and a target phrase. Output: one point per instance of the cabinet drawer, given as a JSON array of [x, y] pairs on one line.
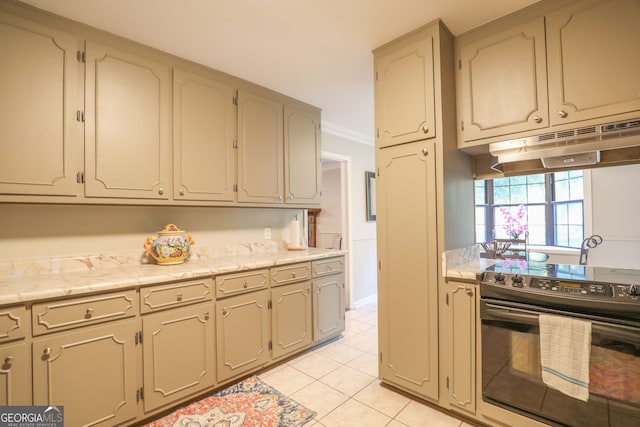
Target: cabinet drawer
[[327, 266], [71, 313], [12, 323], [169, 295], [234, 284], [290, 273]]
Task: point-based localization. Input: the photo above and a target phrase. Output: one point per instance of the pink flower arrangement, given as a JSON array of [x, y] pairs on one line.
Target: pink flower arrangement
[[514, 226]]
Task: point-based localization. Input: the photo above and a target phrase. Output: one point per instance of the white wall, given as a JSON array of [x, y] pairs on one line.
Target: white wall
[[362, 249]]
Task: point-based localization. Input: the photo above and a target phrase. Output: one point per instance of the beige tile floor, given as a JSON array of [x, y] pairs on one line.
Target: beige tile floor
[[339, 382]]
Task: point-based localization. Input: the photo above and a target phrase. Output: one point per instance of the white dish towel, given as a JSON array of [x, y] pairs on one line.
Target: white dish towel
[[565, 349]]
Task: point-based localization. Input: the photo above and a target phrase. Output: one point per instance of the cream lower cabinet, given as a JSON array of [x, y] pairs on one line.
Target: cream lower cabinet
[[179, 354], [458, 341], [90, 371], [291, 319], [40, 83], [15, 357], [328, 298], [243, 332], [408, 271]]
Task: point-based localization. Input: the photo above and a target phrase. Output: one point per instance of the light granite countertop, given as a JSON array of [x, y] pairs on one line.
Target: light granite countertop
[[33, 280], [464, 264]]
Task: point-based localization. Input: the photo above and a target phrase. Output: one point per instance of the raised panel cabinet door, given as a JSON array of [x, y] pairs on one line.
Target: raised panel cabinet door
[[504, 82], [204, 130], [179, 354], [328, 307], [91, 372], [461, 318], [15, 375], [594, 70], [127, 127], [291, 318], [243, 332], [404, 91], [260, 149], [407, 273], [41, 87], [302, 157]]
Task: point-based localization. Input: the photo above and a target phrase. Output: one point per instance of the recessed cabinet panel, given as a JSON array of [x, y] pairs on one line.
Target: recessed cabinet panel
[[41, 91], [593, 66], [408, 275], [13, 323], [204, 129], [127, 125], [179, 354], [291, 318], [328, 307], [15, 375], [404, 92], [260, 149], [500, 95], [91, 372], [302, 155]]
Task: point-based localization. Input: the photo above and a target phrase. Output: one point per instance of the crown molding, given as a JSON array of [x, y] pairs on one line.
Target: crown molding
[[347, 133]]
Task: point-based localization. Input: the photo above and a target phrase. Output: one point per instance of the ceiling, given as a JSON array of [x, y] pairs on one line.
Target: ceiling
[[318, 51]]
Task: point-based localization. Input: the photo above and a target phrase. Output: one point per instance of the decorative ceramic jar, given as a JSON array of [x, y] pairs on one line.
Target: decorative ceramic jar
[[171, 246]]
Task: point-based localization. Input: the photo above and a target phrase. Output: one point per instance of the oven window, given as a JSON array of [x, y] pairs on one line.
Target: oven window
[[511, 377]]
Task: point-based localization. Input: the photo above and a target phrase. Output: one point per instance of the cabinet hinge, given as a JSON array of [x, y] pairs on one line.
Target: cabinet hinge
[[138, 338], [447, 299], [270, 345], [81, 56], [380, 357], [235, 99], [80, 177], [379, 265], [235, 188], [80, 116], [140, 394], [377, 132], [461, 124], [376, 76], [378, 172], [447, 383], [235, 144], [459, 64], [269, 305]]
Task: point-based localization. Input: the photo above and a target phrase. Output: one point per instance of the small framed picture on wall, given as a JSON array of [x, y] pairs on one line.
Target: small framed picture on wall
[[370, 184]]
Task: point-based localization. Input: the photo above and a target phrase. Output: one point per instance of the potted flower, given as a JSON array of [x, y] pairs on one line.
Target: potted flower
[[515, 225]]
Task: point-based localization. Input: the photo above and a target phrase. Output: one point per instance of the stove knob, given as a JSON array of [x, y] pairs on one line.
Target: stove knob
[[516, 281], [499, 278], [634, 290]]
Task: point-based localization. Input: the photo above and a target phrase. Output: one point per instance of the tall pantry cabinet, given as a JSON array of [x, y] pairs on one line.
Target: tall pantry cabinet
[[424, 201]]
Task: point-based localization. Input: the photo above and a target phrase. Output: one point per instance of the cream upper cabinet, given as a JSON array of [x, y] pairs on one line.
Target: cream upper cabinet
[[594, 68], [503, 83], [127, 127], [404, 91], [204, 129], [302, 156], [458, 332], [41, 92], [408, 269], [260, 149]]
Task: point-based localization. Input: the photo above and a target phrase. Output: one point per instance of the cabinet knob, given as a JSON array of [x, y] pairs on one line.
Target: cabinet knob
[[8, 360], [293, 275], [469, 292], [206, 315], [88, 313], [425, 129], [161, 191], [46, 352], [537, 119], [563, 114], [225, 311], [245, 284], [182, 191], [425, 152], [279, 197], [179, 297]]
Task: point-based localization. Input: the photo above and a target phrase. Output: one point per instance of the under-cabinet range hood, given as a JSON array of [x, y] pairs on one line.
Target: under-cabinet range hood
[[613, 143]]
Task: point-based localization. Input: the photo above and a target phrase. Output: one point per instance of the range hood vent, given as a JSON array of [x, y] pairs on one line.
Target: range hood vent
[[570, 149]]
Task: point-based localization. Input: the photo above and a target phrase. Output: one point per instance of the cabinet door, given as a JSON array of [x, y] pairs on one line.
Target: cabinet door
[[127, 139], [291, 318], [91, 372], [503, 83], [40, 83], [243, 332], [404, 91], [460, 328], [407, 274], [260, 149], [328, 307], [302, 156], [204, 129], [179, 359], [594, 69], [15, 375]]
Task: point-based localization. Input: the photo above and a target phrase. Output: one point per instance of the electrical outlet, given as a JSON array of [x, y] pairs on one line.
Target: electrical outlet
[[267, 233]]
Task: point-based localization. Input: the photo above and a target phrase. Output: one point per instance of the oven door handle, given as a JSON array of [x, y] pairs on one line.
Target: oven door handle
[[490, 311]]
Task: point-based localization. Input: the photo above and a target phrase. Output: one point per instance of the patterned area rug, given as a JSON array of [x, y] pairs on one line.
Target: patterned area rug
[[249, 403]]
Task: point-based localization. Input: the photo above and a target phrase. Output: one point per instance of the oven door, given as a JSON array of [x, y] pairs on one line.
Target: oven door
[[511, 372]]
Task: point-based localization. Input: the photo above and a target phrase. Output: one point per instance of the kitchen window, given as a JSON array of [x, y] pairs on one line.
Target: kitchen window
[[553, 208]]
